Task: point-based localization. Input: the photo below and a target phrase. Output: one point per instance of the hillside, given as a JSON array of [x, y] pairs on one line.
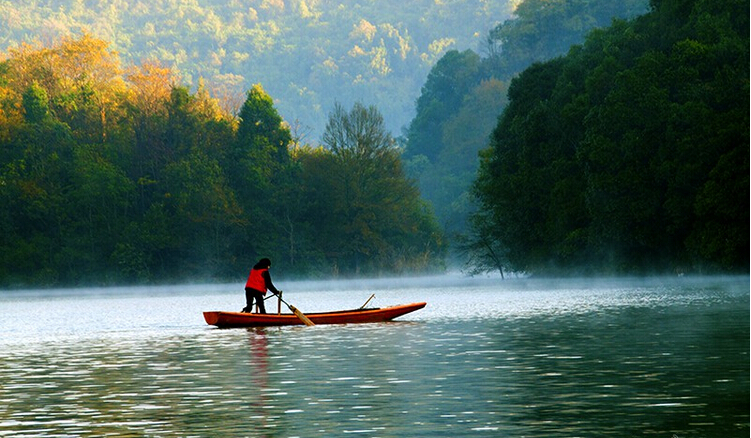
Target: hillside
[[628, 155], [465, 92], [307, 54], [112, 178]]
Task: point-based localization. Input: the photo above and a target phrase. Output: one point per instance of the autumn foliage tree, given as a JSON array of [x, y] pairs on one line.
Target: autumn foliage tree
[[117, 175]]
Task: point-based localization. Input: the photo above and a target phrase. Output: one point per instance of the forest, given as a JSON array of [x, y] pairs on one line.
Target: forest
[[116, 175], [628, 155], [466, 91], [307, 54], [574, 143]]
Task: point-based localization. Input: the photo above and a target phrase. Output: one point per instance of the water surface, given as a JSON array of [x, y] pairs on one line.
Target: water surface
[[486, 358]]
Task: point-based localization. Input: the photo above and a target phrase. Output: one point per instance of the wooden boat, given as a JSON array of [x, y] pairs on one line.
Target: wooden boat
[[357, 316]]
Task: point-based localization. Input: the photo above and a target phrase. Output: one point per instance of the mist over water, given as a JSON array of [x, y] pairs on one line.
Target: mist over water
[[536, 358]]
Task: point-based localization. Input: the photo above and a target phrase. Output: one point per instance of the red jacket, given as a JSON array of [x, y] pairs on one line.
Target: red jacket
[[256, 280]]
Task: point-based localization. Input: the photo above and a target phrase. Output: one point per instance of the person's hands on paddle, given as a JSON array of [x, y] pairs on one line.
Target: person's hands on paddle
[[274, 294]]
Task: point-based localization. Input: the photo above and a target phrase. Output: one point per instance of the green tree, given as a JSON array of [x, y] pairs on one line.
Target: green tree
[[34, 182], [258, 170], [447, 181], [154, 183], [617, 156], [482, 249], [380, 220], [262, 128], [99, 203], [465, 94], [207, 218], [455, 74], [541, 29], [721, 235], [530, 150], [36, 104]]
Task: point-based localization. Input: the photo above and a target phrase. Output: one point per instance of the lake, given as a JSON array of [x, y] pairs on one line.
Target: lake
[[660, 357]]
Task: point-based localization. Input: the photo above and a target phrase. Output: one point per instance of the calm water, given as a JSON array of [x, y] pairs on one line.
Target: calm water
[[485, 358]]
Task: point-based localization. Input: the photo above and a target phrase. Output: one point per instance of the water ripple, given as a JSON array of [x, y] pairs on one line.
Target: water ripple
[[530, 359]]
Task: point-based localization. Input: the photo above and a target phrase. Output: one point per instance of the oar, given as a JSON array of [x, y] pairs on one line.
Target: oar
[[297, 313], [366, 303]]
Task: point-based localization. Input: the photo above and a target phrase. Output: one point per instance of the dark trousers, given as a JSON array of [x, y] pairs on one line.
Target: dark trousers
[[251, 294]]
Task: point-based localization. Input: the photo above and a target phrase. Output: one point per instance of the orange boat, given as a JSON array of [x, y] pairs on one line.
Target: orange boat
[[357, 316]]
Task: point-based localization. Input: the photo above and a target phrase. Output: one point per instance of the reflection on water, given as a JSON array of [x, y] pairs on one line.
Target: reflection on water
[[533, 359]]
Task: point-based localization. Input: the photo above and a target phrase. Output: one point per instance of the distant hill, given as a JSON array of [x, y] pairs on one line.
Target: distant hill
[[307, 54], [465, 92]]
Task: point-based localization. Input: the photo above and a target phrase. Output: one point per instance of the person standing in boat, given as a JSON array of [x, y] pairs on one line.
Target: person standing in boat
[[259, 282]]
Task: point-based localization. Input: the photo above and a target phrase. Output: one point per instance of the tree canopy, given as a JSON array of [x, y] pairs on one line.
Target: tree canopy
[[117, 175], [306, 53], [630, 154], [465, 92], [374, 214]]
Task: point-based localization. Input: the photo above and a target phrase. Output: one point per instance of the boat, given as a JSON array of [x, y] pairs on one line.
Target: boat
[[357, 316]]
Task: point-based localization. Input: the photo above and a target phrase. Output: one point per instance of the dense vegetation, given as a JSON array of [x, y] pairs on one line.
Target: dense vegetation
[[465, 92], [630, 154], [307, 54], [115, 176]]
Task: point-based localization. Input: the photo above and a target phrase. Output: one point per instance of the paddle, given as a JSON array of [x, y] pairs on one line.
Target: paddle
[[297, 313], [366, 303]]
